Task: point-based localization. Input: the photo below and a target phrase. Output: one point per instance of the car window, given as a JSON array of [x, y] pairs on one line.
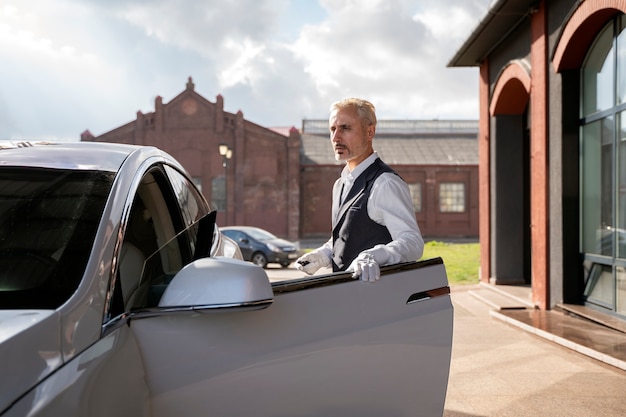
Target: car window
[[198, 218], [191, 203], [153, 224], [160, 238], [234, 235], [48, 222]]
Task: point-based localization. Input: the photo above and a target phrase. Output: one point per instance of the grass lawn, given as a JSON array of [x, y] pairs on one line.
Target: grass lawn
[[461, 260]]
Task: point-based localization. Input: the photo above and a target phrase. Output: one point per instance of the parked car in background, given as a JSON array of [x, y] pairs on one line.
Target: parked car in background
[[262, 247], [119, 296]]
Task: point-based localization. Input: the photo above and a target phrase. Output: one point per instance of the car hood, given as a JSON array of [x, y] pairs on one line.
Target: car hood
[[29, 348]]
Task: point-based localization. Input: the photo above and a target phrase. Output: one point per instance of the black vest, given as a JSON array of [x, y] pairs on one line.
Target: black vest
[[355, 231]]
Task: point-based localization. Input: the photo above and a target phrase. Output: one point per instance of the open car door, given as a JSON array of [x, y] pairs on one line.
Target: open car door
[[327, 345]]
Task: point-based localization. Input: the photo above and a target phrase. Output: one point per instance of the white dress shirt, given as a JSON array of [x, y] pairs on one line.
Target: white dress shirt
[[390, 205]]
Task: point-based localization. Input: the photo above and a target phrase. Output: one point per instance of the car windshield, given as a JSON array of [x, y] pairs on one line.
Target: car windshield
[[48, 222], [260, 234]]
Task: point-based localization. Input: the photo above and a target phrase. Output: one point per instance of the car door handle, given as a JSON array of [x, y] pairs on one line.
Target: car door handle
[[427, 295]]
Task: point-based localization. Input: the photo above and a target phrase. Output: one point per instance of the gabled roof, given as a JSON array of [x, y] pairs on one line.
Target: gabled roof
[[502, 17]]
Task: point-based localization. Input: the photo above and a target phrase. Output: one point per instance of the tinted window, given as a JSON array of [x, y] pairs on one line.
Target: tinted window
[[48, 222], [195, 211], [233, 234], [167, 228], [191, 203], [154, 247]]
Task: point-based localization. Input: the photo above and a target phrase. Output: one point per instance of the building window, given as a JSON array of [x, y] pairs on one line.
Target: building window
[[416, 195], [218, 193], [603, 168], [452, 197]]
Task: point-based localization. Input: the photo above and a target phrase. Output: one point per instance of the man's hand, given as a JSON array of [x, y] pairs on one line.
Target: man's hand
[[311, 262], [366, 267]]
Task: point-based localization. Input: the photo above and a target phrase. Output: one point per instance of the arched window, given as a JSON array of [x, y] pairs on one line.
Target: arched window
[[603, 168]]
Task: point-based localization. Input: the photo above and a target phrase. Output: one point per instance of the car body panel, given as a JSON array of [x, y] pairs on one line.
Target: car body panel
[[34, 350], [222, 340], [342, 347], [106, 379]]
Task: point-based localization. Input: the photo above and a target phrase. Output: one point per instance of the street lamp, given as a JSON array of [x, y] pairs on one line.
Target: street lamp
[[226, 153]]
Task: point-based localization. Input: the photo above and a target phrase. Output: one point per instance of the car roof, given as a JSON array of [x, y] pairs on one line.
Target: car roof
[[70, 155]]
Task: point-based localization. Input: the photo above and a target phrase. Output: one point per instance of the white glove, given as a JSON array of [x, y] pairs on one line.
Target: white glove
[[311, 262], [366, 267]]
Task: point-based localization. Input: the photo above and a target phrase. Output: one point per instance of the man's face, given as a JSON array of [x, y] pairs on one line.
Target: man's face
[[352, 142]]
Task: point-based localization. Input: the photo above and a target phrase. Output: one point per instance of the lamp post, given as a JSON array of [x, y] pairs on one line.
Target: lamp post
[[226, 153]]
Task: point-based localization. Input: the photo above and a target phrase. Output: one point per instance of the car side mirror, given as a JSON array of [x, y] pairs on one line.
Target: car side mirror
[[218, 283], [244, 240]]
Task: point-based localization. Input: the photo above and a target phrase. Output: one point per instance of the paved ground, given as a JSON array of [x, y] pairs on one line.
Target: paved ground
[[498, 369]]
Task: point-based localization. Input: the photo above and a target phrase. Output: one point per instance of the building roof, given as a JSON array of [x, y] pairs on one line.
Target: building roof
[[403, 127], [402, 142], [502, 17]]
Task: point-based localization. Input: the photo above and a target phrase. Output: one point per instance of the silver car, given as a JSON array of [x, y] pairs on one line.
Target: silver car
[[119, 296]]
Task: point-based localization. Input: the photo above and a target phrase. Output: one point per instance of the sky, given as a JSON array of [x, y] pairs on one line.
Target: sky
[[67, 66]]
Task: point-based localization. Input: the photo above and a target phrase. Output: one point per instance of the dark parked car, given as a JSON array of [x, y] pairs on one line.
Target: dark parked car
[[261, 247]]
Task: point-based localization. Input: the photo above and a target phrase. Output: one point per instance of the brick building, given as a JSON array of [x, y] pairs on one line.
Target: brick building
[[552, 149], [258, 185], [437, 158], [281, 179]]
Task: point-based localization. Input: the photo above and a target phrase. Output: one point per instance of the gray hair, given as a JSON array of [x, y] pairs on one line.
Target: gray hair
[[365, 109]]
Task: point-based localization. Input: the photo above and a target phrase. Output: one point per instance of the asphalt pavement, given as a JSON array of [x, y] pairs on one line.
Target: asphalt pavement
[[498, 369]]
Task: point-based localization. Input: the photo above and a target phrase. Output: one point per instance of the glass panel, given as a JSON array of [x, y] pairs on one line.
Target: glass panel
[[621, 61], [451, 197], [620, 235], [189, 200], [600, 286], [597, 187], [158, 271], [597, 74], [416, 195], [48, 223]]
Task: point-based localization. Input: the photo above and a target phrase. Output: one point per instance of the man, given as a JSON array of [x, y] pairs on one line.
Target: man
[[373, 222]]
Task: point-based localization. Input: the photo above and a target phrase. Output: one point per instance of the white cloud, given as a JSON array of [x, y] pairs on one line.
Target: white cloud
[[388, 52], [70, 65], [240, 68], [44, 74]]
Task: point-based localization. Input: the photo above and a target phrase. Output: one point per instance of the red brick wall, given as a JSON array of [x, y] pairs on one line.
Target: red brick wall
[[262, 180], [266, 185], [316, 191]]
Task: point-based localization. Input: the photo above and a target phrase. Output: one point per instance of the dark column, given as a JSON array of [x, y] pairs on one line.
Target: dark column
[[508, 203]]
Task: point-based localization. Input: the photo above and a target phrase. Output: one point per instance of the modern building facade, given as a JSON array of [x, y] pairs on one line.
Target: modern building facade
[[281, 179], [552, 135]]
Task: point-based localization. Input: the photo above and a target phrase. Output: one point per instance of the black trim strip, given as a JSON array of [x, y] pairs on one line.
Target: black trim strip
[[161, 311], [317, 281]]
